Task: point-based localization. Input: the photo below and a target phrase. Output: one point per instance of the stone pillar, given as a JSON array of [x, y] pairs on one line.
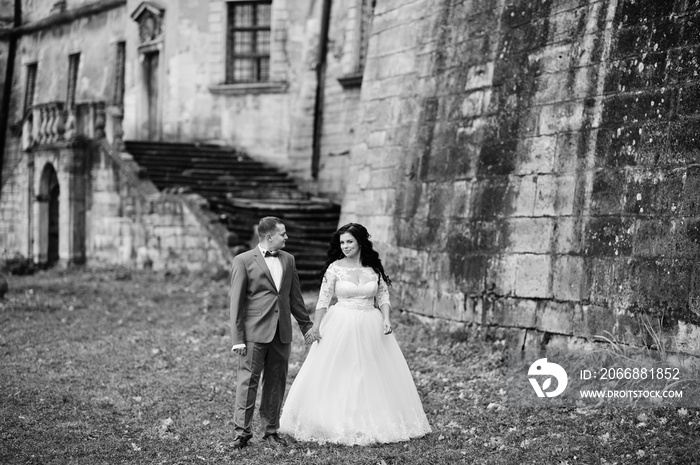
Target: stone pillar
[[40, 246], [72, 204]]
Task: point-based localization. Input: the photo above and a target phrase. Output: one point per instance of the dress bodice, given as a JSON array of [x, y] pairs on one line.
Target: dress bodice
[[359, 285]]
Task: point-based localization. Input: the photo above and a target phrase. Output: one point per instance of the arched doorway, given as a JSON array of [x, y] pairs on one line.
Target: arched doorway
[[50, 191]]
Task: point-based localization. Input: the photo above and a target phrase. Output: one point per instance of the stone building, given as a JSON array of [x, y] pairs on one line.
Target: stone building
[[524, 166], [533, 165], [89, 74]]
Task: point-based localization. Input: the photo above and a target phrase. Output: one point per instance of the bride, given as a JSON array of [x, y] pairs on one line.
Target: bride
[[354, 386]]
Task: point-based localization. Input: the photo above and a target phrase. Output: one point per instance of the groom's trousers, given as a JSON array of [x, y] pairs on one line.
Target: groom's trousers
[[271, 361]]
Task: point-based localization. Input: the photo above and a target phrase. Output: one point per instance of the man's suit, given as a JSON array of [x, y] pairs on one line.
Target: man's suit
[[261, 319]]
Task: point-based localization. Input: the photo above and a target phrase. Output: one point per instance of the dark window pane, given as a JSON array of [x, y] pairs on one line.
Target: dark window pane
[[31, 85], [243, 43], [119, 74], [243, 70], [264, 14], [243, 15], [263, 44], [367, 13], [264, 64], [73, 65]]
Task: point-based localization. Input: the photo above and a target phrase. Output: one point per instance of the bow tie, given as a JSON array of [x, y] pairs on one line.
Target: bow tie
[[271, 254]]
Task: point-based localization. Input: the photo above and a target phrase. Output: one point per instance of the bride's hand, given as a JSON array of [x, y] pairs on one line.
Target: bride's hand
[[312, 336], [387, 326]]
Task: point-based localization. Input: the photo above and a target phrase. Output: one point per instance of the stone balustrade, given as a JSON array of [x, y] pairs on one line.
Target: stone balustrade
[[57, 123]]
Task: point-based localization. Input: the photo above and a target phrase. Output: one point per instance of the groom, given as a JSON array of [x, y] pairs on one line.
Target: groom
[[265, 294]]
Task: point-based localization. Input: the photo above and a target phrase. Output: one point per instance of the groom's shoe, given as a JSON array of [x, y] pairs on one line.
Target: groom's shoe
[[240, 442], [275, 438]]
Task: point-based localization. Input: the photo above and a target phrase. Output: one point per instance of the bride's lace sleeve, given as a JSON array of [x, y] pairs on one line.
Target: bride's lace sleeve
[[327, 288], [382, 294]]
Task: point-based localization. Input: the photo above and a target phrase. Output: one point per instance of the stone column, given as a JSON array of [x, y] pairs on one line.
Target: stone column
[[72, 205], [40, 246]]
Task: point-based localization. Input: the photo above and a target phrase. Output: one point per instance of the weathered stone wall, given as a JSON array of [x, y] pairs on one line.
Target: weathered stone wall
[[94, 37], [10, 190], [130, 223], [14, 203], [531, 165], [340, 105], [35, 10]]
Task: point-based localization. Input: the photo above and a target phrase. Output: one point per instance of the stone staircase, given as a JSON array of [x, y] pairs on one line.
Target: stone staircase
[[240, 191]]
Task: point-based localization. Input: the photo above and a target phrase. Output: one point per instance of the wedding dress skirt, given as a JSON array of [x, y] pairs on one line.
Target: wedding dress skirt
[[354, 386]]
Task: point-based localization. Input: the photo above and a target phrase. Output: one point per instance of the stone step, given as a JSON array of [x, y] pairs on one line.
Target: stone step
[[240, 191]]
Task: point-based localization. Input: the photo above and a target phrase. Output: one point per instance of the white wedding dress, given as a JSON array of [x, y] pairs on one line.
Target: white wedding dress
[[354, 386]]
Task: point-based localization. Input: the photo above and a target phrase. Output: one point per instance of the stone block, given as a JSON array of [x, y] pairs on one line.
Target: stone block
[[596, 320], [560, 117], [609, 236], [526, 194], [567, 186], [546, 197], [571, 150], [469, 272], [556, 317], [501, 274], [384, 178], [537, 155], [529, 235], [534, 340], [569, 279], [687, 337], [520, 313], [554, 87], [459, 206], [376, 139], [418, 300], [195, 241], [532, 276], [474, 103], [479, 76], [450, 306], [567, 236], [472, 309]]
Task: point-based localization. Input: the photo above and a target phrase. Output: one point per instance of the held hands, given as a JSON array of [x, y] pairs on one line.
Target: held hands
[[312, 336], [387, 326]]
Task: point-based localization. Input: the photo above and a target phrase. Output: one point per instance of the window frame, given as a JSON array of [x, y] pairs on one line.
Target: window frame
[[32, 70], [260, 74], [73, 71], [364, 13], [119, 73]]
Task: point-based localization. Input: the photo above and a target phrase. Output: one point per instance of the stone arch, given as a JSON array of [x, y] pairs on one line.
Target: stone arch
[[48, 216]]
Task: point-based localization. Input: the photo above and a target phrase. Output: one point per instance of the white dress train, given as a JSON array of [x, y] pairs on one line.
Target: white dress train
[[354, 386]]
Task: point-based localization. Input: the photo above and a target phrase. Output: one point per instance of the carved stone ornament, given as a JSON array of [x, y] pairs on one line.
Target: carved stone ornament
[[149, 16]]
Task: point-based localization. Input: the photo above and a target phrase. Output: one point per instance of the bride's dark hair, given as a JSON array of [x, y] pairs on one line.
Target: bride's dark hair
[[368, 256]]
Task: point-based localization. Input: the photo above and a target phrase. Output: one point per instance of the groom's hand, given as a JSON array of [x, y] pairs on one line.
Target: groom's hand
[[240, 351], [312, 336]]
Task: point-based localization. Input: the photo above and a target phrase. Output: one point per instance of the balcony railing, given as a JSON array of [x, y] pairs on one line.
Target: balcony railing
[[55, 123]]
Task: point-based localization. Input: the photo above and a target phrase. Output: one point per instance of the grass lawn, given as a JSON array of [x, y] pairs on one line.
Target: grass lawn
[[117, 366]]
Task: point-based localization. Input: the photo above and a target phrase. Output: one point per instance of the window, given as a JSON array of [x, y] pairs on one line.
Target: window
[[119, 72], [31, 85], [73, 65], [366, 14], [248, 42]]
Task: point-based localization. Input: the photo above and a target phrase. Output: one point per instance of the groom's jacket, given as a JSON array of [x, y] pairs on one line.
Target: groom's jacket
[[257, 307]]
